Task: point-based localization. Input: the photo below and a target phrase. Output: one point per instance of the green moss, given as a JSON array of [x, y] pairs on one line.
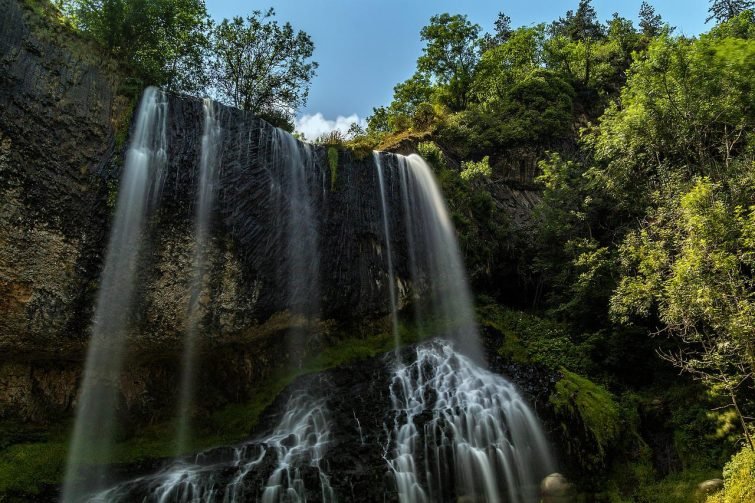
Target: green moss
[[28, 466], [333, 163], [579, 399]]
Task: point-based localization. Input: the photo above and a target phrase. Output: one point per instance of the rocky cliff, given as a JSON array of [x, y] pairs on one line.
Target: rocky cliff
[[64, 115]]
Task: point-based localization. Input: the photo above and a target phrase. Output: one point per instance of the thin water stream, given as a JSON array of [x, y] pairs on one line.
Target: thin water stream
[[206, 188], [95, 427]]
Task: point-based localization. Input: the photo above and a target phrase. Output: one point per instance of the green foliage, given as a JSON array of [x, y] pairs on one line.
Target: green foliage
[[164, 41], [408, 95], [423, 117], [580, 25], [508, 62], [739, 479], [502, 33], [637, 481], [473, 170], [687, 107], [260, 65], [450, 55], [724, 10], [531, 338], [578, 399], [535, 110], [651, 23], [689, 265], [432, 154]]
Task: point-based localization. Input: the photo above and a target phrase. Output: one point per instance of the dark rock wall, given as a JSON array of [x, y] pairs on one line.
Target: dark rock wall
[[56, 114], [61, 110], [251, 212], [58, 102]]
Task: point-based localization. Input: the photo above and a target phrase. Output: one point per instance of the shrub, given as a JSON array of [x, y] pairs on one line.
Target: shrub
[[739, 479], [424, 116], [431, 153], [471, 170]]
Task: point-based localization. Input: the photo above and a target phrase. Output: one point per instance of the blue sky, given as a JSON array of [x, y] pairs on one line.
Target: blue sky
[[365, 47]]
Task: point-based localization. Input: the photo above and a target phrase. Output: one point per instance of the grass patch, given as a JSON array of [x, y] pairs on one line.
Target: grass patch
[[637, 482], [26, 467]]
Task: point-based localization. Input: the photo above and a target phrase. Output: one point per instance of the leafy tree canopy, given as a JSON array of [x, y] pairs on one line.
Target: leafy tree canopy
[[262, 66], [164, 41], [450, 54]]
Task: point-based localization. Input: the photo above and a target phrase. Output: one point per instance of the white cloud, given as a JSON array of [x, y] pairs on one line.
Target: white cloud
[[314, 126]]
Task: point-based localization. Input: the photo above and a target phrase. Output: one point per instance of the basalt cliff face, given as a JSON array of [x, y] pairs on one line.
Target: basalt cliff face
[[64, 115]]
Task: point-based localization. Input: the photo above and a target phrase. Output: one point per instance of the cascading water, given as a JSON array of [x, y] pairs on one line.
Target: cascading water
[[211, 139], [479, 440], [301, 438], [388, 249], [94, 430], [293, 451]]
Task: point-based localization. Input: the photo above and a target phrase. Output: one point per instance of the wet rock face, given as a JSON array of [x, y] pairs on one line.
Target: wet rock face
[[59, 172], [358, 417], [252, 204]]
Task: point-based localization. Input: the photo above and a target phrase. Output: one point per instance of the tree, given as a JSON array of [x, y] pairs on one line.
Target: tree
[[261, 66], [164, 41], [690, 263], [378, 122], [410, 93], [450, 55], [650, 22], [511, 61], [502, 33], [580, 26], [574, 36], [724, 10], [686, 111]]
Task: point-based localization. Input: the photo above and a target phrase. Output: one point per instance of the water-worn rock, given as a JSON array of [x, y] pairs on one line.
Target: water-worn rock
[[710, 486], [555, 488]]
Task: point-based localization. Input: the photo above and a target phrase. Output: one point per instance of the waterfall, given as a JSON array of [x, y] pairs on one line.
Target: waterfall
[[94, 429], [452, 429], [434, 258], [388, 250], [301, 438], [481, 441], [211, 143], [293, 450], [298, 185]]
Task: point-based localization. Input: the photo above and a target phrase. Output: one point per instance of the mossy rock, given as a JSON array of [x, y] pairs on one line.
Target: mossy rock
[[590, 418]]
